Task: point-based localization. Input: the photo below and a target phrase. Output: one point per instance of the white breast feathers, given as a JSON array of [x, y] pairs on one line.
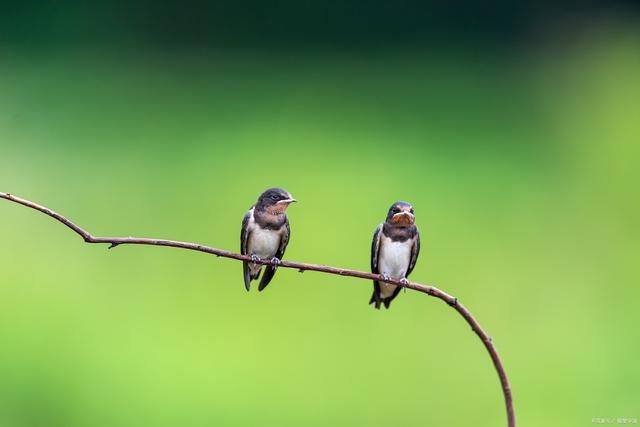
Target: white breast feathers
[[262, 243], [394, 257]]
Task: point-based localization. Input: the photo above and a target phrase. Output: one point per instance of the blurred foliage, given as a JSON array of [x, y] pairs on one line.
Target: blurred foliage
[[522, 169], [286, 24]]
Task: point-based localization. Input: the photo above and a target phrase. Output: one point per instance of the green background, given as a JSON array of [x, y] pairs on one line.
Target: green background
[[522, 165]]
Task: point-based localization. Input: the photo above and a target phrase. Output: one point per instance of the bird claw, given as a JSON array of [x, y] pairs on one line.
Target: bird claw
[[385, 277], [405, 283], [255, 259], [276, 262]]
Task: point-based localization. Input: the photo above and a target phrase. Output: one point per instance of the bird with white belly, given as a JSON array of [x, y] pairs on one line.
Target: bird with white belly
[[394, 251], [265, 235]]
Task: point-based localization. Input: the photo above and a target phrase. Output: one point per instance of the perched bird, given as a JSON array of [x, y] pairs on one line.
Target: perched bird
[[265, 234], [394, 251]]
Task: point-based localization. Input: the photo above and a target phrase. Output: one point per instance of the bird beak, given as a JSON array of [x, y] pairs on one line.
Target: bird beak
[[404, 217], [286, 201]]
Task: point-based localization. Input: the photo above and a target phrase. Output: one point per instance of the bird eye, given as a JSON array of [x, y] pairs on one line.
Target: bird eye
[[395, 210], [274, 197], [411, 210]]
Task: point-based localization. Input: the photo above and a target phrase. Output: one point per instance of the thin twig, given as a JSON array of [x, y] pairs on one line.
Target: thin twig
[[429, 290]]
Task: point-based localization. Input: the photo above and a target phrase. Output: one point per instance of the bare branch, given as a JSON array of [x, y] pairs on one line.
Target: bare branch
[[301, 267]]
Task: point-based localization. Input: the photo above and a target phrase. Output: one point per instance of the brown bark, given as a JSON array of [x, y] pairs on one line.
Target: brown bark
[[426, 289]]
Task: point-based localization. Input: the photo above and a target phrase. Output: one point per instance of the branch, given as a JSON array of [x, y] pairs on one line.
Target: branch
[[429, 290]]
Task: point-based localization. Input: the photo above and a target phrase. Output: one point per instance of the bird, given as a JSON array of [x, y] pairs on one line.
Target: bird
[[394, 252], [265, 235]]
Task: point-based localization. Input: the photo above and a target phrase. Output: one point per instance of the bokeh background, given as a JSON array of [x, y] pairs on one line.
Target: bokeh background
[[513, 129]]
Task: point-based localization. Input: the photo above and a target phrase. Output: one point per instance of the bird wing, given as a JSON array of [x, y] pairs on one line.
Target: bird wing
[[375, 250], [244, 242], [270, 270], [284, 240], [415, 251]]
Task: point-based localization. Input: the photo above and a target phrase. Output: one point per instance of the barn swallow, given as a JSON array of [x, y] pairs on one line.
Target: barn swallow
[[265, 234], [394, 251]]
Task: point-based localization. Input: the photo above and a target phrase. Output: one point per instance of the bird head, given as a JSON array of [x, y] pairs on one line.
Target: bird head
[[275, 200], [401, 214]]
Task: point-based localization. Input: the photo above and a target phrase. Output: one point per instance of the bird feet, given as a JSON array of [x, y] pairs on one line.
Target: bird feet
[[276, 262], [385, 277], [255, 259], [405, 283]]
